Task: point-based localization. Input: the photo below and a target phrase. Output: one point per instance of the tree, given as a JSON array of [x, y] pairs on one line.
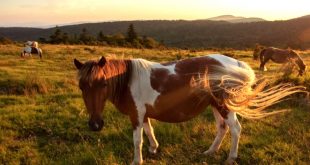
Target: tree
[[43, 40], [65, 38], [119, 39], [56, 38], [102, 38], [85, 37], [5, 40], [131, 34], [149, 42]]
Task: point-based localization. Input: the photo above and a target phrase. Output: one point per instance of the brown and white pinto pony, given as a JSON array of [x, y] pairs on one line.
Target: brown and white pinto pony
[[28, 51], [176, 92], [282, 56]]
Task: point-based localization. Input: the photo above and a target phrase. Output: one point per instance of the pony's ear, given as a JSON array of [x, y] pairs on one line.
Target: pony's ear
[[102, 61], [78, 64]]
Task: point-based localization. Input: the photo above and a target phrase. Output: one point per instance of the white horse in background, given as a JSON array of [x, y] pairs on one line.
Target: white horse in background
[[31, 47]]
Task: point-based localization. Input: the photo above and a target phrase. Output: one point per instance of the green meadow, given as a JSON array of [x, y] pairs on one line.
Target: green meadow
[[43, 119]]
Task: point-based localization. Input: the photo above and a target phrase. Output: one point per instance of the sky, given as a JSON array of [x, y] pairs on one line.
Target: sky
[[44, 13]]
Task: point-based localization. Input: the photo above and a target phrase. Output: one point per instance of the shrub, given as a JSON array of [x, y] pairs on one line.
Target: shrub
[[5, 40]]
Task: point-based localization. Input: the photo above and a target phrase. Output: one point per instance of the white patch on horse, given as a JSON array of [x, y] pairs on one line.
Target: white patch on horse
[[142, 93], [235, 130], [32, 44], [224, 60], [27, 49], [140, 86], [221, 131], [138, 142], [235, 66], [170, 68], [149, 131]]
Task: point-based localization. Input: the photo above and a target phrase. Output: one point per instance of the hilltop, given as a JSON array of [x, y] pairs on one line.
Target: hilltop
[[236, 19], [192, 34]]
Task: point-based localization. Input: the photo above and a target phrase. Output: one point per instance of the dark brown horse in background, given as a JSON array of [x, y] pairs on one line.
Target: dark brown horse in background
[[281, 56]]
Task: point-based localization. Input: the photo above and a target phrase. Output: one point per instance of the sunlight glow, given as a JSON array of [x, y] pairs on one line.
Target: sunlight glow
[[47, 12]]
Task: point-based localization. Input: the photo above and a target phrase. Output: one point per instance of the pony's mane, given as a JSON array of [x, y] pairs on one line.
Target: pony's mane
[[90, 72], [116, 73]]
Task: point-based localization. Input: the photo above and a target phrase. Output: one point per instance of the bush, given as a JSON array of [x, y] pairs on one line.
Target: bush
[[5, 40], [34, 85]]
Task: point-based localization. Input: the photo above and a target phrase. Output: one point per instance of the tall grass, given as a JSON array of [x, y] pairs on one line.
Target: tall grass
[[43, 119]]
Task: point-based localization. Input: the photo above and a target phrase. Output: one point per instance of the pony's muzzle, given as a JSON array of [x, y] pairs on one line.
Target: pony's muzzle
[[95, 125]]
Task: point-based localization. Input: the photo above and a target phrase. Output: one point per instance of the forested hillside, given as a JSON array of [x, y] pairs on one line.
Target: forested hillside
[[294, 33]]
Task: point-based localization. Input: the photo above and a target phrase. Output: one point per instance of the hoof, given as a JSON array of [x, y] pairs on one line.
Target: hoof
[[137, 163], [230, 161], [152, 150], [209, 152]]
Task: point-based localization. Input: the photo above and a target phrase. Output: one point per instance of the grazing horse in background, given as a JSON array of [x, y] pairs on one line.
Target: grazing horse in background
[[176, 92], [31, 50], [32, 44], [282, 56]]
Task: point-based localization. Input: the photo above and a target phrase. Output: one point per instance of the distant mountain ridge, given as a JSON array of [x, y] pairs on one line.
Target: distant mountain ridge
[[292, 33], [235, 19]]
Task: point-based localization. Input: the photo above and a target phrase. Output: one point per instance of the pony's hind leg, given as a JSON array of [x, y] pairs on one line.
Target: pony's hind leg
[[148, 129], [221, 131], [235, 130]]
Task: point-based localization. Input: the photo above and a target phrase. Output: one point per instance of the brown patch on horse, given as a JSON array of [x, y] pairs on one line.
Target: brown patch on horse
[[34, 50], [178, 100], [126, 105]]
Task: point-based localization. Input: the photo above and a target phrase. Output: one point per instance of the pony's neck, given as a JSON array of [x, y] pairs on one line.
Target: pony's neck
[[118, 76]]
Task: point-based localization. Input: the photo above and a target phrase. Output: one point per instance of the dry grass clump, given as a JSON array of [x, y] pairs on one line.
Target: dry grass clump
[[35, 85]]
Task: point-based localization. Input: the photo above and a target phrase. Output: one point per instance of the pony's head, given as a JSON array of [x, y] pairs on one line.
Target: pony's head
[[297, 59], [257, 51], [93, 84], [302, 67]]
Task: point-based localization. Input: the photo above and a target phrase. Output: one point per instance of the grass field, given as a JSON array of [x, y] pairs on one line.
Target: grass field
[[43, 119]]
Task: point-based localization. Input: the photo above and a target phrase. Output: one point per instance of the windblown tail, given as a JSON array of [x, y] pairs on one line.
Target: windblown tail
[[253, 105], [233, 89]]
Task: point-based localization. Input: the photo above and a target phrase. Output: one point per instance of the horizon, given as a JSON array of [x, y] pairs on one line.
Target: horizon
[[50, 13]]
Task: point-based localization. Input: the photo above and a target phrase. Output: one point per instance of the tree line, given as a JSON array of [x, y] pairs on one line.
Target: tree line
[[131, 39]]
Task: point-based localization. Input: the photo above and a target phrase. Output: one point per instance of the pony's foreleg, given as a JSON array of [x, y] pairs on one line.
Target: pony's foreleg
[[235, 130], [137, 121], [262, 62], [221, 131], [138, 142], [148, 129], [262, 66]]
